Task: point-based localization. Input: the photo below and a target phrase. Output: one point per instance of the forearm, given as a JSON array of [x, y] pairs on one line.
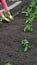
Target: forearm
[[5, 5]]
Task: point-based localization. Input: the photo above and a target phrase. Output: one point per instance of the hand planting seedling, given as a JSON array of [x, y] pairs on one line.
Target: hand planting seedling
[[26, 45], [28, 28], [8, 15], [8, 63], [3, 2]]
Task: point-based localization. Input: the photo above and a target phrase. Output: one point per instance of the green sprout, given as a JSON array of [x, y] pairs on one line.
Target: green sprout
[[24, 42], [30, 19], [28, 28], [6, 14], [8, 63], [26, 45]]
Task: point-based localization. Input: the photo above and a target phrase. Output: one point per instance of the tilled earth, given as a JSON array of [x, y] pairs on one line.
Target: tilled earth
[[11, 49]]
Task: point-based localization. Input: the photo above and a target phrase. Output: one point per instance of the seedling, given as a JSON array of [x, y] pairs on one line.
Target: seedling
[[32, 16], [8, 63], [27, 11], [24, 42], [30, 19], [28, 28], [27, 48], [26, 45], [6, 14]]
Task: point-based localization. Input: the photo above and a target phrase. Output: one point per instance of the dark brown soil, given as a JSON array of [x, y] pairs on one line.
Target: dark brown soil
[[11, 49]]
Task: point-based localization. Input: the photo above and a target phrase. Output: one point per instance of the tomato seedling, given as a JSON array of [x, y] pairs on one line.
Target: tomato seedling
[[27, 11], [30, 19], [26, 45], [28, 28], [6, 14]]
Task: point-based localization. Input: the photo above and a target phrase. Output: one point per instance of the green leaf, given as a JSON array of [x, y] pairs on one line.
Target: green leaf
[[6, 14], [8, 63], [29, 10], [25, 49], [26, 45], [30, 20], [24, 42], [28, 28], [29, 46]]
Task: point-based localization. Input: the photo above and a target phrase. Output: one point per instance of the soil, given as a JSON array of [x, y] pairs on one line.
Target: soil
[[11, 49]]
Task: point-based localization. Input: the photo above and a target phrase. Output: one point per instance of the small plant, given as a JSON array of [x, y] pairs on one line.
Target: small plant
[[28, 28], [26, 45], [30, 19], [6, 14], [8, 63], [27, 11]]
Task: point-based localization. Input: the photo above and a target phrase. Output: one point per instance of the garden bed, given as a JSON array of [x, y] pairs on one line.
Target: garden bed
[[11, 49]]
